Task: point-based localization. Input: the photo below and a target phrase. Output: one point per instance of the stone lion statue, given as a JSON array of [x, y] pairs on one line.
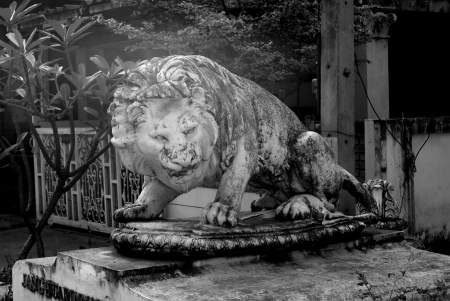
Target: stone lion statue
[[186, 122]]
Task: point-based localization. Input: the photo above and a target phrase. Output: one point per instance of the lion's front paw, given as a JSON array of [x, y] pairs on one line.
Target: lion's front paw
[[294, 209], [130, 213], [220, 215]]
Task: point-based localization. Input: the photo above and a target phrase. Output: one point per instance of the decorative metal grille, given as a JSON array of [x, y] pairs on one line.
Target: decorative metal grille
[[91, 183], [91, 202], [50, 178], [131, 185]]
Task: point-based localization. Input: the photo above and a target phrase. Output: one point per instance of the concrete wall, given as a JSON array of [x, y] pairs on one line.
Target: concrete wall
[[431, 198], [420, 186]]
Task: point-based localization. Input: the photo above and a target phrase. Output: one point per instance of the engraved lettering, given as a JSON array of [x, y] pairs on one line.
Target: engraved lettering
[[67, 294], [52, 290]]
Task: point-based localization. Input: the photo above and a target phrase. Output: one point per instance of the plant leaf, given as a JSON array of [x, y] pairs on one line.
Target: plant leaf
[[65, 92], [101, 63], [5, 13], [21, 92], [19, 38], [26, 11], [12, 37], [93, 112], [7, 46], [79, 32], [73, 27], [8, 150], [37, 42], [59, 28], [22, 6], [5, 59], [80, 37]]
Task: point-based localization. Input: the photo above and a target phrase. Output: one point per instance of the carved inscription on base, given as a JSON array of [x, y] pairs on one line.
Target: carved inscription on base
[[53, 290]]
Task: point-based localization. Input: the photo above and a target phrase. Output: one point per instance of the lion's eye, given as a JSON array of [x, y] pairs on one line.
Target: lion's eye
[[161, 138], [189, 131]]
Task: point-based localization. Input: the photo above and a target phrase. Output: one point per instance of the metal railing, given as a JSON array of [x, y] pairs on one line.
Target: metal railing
[[91, 202]]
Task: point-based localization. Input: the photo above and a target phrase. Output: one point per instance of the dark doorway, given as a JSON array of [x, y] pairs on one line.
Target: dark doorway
[[419, 59]]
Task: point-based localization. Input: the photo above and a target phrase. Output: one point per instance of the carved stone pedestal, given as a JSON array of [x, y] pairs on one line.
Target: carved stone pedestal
[[257, 233]]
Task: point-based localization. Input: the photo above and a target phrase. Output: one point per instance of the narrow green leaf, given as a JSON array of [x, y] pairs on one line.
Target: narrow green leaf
[[12, 6], [37, 42], [79, 32], [119, 62], [22, 6], [21, 137], [93, 112], [30, 38], [100, 61], [65, 92], [59, 28], [5, 13], [26, 11], [5, 59], [53, 36], [52, 108], [8, 150], [104, 134], [46, 47], [30, 58], [74, 79], [89, 131], [58, 95], [12, 37], [19, 39], [6, 141], [74, 27], [72, 48], [116, 69], [21, 92], [79, 37], [101, 81], [82, 70]]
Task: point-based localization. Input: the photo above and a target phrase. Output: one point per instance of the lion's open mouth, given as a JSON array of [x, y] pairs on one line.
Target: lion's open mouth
[[185, 171]]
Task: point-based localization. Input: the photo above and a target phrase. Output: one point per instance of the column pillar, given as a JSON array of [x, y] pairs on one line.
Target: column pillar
[[337, 87], [375, 73]]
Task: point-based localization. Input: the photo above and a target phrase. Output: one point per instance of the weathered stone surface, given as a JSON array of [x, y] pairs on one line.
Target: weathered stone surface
[[327, 273], [185, 122], [255, 234]]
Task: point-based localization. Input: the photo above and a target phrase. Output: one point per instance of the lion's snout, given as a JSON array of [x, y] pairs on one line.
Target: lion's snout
[[181, 156]]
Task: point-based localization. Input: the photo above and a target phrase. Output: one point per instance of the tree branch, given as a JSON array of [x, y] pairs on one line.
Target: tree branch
[[91, 160], [72, 140], [39, 141], [58, 148]]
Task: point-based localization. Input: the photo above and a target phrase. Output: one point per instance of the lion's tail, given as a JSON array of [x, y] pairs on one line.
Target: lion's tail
[[364, 199]]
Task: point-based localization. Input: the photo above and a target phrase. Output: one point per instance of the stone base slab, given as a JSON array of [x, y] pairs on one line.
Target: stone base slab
[[327, 273]]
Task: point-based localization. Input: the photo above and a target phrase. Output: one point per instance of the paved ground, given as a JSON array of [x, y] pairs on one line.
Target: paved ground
[[13, 235]]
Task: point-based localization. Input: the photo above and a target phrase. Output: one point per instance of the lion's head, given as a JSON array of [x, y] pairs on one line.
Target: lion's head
[[164, 120]]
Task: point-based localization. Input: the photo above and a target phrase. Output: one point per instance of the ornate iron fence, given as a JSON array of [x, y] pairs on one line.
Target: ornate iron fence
[[105, 187]]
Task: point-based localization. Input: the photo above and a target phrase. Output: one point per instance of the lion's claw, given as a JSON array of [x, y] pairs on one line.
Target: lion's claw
[[294, 209], [220, 215], [130, 213]]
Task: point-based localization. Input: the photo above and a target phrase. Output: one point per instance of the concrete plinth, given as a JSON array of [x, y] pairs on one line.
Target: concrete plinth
[[326, 274]]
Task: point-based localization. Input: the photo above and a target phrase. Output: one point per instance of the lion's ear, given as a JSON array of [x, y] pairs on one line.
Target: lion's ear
[[198, 96]]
